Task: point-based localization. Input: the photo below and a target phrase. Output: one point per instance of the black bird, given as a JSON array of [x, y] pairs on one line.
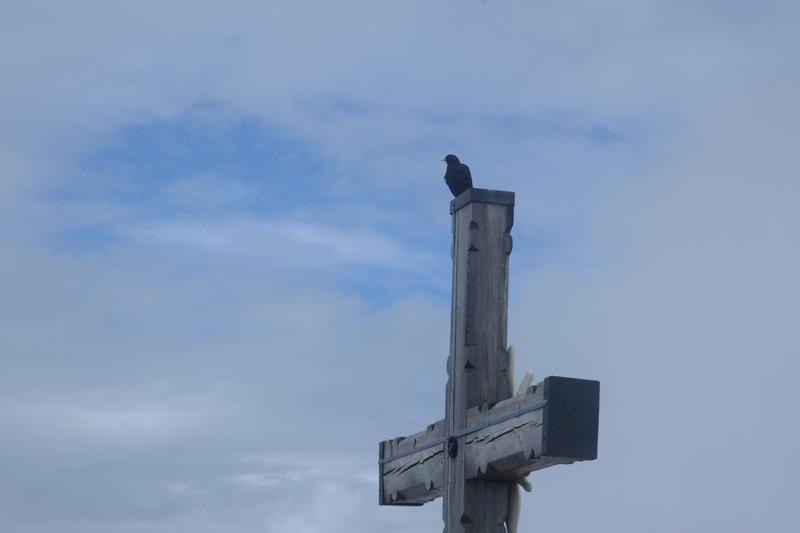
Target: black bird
[[458, 176]]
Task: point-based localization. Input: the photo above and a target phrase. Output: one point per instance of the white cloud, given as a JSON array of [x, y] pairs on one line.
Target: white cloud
[[683, 300], [315, 243]]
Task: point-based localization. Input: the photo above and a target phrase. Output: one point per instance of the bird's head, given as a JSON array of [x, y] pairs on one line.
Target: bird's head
[[451, 159]]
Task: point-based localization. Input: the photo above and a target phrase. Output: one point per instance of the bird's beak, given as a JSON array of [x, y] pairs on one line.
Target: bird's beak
[[443, 159]]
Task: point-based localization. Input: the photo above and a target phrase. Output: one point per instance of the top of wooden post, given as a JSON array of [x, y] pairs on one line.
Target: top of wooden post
[[485, 196]]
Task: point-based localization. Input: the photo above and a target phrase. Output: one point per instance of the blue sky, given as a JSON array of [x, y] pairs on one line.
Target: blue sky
[[225, 272], [209, 175]]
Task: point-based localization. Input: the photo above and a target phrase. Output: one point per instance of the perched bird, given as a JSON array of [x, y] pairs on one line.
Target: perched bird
[[458, 176]]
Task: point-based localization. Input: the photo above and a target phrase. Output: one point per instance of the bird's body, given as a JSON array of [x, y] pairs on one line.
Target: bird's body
[[458, 176]]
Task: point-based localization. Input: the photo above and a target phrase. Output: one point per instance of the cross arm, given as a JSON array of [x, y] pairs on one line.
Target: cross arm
[[412, 468], [554, 422]]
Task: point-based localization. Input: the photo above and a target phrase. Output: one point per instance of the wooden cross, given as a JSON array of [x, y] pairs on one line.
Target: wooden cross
[[489, 438]]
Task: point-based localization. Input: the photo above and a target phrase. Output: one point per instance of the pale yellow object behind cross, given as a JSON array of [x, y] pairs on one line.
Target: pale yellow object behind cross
[[512, 519]]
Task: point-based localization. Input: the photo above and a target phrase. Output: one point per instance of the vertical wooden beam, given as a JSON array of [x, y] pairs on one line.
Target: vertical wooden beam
[[478, 361]]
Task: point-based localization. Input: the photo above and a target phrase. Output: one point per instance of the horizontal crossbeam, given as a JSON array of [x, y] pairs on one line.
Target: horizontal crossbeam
[[555, 422]]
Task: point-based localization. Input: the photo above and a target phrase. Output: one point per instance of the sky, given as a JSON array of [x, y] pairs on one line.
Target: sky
[[225, 271]]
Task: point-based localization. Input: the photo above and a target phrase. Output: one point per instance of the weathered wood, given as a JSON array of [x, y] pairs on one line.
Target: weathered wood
[[416, 478], [487, 440], [554, 423], [478, 362]]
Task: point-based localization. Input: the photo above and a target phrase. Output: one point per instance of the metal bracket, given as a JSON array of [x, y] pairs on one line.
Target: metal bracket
[[452, 447]]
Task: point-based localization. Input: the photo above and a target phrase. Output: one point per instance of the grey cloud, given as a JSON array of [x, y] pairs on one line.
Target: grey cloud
[[283, 238], [153, 389]]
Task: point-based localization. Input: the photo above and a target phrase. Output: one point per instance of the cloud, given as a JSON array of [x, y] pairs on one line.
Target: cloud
[[228, 365], [278, 237]]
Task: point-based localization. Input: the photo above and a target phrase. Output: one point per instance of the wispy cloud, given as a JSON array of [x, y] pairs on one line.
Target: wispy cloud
[[326, 244], [651, 140]]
